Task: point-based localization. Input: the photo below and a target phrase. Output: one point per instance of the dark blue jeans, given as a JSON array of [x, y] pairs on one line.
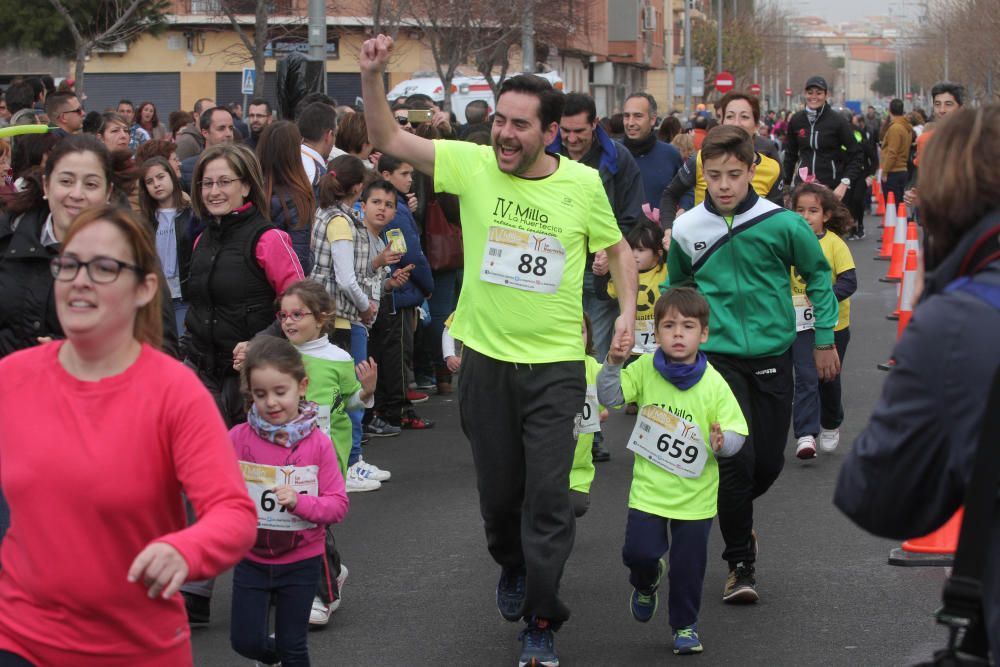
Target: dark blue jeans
[[647, 538], [817, 404], [442, 303], [293, 586]]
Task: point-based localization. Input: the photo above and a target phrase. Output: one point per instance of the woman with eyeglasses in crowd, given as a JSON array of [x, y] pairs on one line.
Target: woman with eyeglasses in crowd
[[239, 265]]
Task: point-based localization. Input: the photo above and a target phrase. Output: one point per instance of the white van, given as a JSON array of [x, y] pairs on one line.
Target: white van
[[464, 89]]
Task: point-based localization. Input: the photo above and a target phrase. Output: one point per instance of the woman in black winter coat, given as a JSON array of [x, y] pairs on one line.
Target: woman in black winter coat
[[908, 470], [821, 141], [79, 173]]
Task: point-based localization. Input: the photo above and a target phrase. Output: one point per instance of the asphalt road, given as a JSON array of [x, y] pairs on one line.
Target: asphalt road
[[421, 584]]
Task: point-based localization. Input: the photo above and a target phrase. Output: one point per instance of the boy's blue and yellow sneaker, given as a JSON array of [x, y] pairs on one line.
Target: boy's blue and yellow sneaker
[[686, 641], [643, 603]]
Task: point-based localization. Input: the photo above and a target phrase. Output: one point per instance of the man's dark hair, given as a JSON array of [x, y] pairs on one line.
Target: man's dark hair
[[685, 300], [205, 121], [731, 97], [476, 112], [378, 184], [649, 100], [896, 107], [19, 96], [128, 102], [388, 163], [37, 88], [258, 101], [92, 122], [578, 103], [199, 105], [728, 140], [313, 98], [55, 104], [700, 122], [316, 120], [49, 83], [550, 100], [616, 124], [955, 90], [419, 101]]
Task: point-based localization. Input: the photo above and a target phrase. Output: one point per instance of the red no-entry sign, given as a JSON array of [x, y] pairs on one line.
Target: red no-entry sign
[[788, 92], [724, 82], [755, 89]]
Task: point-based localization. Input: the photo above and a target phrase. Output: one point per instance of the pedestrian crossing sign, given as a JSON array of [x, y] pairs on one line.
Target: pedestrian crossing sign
[[249, 78]]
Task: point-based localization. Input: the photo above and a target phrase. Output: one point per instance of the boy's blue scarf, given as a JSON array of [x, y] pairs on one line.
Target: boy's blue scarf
[[682, 376]]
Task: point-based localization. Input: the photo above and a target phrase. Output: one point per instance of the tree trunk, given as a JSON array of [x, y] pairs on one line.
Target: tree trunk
[[260, 44], [81, 63]]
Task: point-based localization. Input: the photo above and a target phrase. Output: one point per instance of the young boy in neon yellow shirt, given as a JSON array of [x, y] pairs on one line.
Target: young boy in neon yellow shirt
[[688, 415]]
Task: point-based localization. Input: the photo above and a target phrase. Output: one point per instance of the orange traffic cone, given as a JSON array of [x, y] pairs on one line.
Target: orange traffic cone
[[879, 199], [936, 549], [888, 229], [907, 291], [895, 273], [912, 243]]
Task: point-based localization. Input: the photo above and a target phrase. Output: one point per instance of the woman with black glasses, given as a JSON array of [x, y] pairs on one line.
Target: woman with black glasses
[[99, 435]]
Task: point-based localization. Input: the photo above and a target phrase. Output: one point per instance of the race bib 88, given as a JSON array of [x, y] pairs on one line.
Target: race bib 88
[[523, 260]]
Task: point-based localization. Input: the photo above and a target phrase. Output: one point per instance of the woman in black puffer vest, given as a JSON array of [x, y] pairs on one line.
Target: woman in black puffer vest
[[240, 263]]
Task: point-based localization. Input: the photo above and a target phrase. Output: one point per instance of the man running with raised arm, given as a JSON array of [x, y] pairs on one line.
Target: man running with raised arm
[[528, 220]]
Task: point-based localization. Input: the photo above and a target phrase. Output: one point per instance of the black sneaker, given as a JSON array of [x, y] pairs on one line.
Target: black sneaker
[[598, 452], [538, 645], [511, 594], [199, 609], [741, 586]]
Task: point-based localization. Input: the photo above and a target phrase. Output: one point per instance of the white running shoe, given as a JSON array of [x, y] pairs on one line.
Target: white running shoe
[[828, 440], [373, 471], [358, 480], [806, 448], [320, 613]]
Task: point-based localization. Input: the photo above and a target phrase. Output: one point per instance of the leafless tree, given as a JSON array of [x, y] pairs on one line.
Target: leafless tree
[[115, 21]]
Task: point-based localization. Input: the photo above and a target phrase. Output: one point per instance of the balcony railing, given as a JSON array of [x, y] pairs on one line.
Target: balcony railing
[[273, 7]]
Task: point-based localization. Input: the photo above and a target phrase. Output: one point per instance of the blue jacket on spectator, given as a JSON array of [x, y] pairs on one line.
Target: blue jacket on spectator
[[421, 283], [290, 223]]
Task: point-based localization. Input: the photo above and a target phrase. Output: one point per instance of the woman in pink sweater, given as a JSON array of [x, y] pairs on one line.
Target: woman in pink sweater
[[99, 435], [294, 479]]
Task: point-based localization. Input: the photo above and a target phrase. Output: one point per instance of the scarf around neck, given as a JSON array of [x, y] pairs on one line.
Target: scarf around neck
[[289, 434], [682, 376], [640, 147]]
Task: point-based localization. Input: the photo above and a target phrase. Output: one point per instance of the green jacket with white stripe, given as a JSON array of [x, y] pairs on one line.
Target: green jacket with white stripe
[[742, 266]]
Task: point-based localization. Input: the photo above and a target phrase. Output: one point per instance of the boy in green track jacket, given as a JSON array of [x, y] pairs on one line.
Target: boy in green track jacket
[[737, 249]]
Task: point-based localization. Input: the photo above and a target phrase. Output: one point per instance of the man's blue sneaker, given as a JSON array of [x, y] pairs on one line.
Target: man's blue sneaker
[[538, 645], [686, 641], [511, 595], [643, 603]]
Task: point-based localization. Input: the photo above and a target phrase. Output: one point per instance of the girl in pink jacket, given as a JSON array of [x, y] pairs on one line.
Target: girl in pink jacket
[[293, 478]]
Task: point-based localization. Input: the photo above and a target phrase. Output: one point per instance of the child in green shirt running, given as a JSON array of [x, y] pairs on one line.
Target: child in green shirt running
[[306, 313], [588, 423], [687, 417]]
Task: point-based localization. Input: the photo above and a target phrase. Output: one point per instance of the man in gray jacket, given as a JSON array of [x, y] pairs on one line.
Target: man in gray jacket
[[190, 142]]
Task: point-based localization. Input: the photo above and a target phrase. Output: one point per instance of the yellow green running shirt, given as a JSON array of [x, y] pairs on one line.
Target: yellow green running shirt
[[526, 243], [654, 490]]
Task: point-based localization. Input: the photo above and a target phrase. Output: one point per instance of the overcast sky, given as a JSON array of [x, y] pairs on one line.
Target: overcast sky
[[840, 10]]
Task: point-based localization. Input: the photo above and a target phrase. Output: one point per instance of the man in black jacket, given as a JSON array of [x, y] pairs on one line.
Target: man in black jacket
[[821, 141]]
